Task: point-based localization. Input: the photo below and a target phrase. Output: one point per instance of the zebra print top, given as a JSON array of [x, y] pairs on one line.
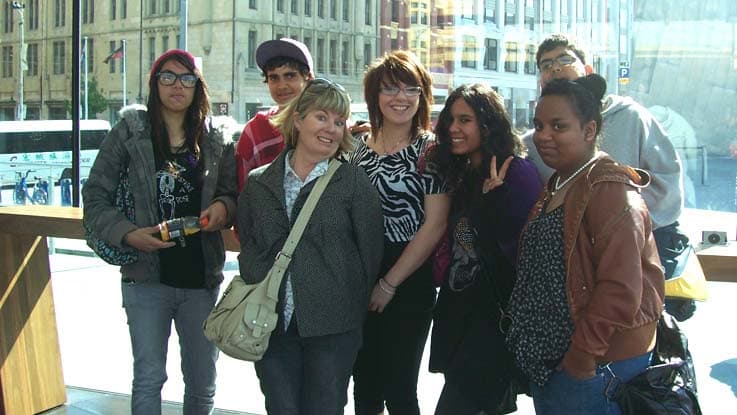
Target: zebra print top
[[402, 188]]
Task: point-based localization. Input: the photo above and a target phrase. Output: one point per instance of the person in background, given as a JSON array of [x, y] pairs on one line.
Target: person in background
[[631, 135], [178, 166], [493, 189], [398, 94], [590, 286], [324, 297], [287, 67]]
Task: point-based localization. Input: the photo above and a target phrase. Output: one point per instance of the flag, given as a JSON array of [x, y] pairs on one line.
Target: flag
[[116, 54]]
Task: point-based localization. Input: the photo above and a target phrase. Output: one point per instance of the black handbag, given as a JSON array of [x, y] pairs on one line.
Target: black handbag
[[668, 386], [124, 203]]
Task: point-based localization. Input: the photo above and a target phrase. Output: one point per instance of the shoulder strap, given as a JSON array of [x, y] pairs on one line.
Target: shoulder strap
[[284, 257]]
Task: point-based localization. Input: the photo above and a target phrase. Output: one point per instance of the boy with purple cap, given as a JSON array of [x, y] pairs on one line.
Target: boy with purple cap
[[287, 67]]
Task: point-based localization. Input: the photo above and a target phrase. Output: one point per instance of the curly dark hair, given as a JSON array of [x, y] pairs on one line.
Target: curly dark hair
[[497, 138], [194, 120]]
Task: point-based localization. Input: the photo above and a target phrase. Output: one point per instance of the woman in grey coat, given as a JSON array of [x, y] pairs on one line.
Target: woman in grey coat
[[324, 296], [177, 166]]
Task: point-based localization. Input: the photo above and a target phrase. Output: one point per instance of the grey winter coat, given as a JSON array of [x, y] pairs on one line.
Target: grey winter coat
[[336, 262], [129, 142]]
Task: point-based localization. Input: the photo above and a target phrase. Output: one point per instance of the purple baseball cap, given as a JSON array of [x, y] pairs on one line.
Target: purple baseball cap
[[284, 47]]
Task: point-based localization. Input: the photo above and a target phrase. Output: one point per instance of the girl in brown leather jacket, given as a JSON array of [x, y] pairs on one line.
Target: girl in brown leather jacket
[[589, 289]]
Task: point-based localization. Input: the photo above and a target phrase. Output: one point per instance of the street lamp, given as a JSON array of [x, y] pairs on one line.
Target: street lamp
[[20, 108]]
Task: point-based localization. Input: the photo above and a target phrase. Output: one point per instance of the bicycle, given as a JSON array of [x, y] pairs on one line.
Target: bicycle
[[20, 191], [40, 195]]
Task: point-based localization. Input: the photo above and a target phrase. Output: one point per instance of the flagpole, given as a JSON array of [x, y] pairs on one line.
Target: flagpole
[[86, 88], [124, 87]]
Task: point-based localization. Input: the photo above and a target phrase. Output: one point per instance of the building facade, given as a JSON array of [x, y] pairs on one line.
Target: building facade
[[224, 34]]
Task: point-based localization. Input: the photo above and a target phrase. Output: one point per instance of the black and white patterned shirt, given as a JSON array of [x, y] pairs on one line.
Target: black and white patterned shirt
[[542, 327], [402, 188]]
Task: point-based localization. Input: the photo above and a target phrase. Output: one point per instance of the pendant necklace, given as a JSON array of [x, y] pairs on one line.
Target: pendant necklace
[[558, 185], [393, 148]]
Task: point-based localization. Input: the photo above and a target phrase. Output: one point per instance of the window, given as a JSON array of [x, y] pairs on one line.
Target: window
[[164, 43], [395, 11], [7, 63], [320, 8], [251, 49], [490, 11], [252, 4], [166, 6], [60, 13], [320, 55], [530, 7], [31, 15], [367, 54], [333, 56], [308, 42], [111, 62], [345, 58], [334, 9], [113, 9], [280, 6], [152, 7], [490, 54], [510, 14], [90, 55], [32, 59], [468, 59], [530, 63], [151, 51], [510, 63], [8, 18], [59, 57], [88, 11], [367, 8], [294, 7], [547, 13], [468, 11], [123, 9], [346, 10], [308, 7]]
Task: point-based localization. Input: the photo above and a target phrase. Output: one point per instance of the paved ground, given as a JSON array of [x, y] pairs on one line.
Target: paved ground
[[96, 352]]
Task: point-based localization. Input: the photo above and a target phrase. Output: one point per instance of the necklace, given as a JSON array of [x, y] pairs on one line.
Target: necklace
[[559, 185], [394, 147]]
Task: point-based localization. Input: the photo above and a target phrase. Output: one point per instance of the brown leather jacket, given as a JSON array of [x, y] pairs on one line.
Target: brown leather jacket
[[614, 276]]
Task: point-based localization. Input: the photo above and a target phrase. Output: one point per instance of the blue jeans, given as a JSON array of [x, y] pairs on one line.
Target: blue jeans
[[150, 309], [565, 395], [307, 375]]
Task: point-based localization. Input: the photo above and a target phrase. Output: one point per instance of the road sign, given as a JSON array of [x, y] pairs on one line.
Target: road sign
[[624, 75]]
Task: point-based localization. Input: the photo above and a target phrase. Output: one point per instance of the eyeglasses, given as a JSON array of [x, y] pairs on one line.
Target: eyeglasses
[[562, 60], [410, 91], [326, 83], [168, 78]]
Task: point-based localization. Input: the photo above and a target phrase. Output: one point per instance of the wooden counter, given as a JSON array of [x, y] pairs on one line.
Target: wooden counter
[[719, 261], [31, 379]]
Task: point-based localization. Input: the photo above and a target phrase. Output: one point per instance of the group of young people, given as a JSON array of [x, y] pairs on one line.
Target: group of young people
[[554, 285]]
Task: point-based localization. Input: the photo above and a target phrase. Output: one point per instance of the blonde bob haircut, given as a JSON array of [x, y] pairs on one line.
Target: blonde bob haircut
[[319, 94]]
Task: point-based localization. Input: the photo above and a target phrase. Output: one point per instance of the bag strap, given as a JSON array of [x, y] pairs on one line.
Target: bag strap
[[284, 257]]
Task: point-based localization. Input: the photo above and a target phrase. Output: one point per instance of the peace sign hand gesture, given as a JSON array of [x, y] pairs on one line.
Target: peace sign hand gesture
[[496, 179]]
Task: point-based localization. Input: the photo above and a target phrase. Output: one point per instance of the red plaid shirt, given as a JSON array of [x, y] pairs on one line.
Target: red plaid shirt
[[259, 144]]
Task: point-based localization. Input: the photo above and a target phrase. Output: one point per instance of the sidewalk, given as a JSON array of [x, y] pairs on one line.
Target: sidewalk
[[95, 346]]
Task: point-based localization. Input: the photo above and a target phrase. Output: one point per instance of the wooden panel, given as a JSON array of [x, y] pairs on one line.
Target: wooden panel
[[63, 222], [31, 376], [719, 262]]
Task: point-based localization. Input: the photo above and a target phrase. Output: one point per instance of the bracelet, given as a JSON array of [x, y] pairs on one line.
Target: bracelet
[[394, 287], [388, 290]]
